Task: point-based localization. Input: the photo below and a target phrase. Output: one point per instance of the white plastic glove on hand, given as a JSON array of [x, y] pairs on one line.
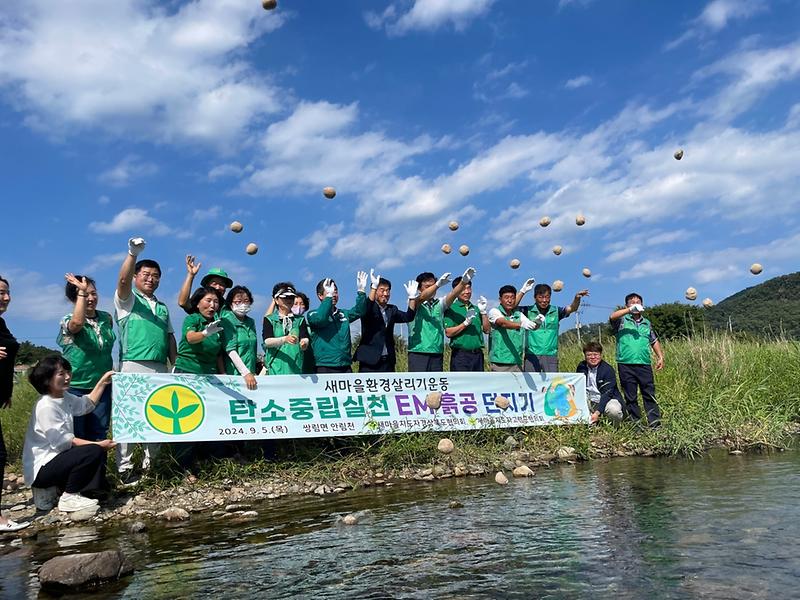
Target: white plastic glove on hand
[[361, 281], [636, 309], [135, 246], [468, 275], [470, 315], [212, 328], [526, 323], [329, 287], [527, 286], [374, 279], [539, 321], [412, 289], [443, 279], [483, 304]]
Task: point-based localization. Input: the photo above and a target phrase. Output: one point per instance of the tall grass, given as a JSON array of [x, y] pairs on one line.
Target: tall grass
[[714, 390]]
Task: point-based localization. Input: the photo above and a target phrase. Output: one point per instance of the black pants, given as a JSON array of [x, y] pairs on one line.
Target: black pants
[[633, 378], [422, 362], [466, 360], [79, 469], [384, 365], [3, 457], [344, 369]]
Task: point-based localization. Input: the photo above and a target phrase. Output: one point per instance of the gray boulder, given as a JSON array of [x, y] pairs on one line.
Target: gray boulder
[[83, 570]]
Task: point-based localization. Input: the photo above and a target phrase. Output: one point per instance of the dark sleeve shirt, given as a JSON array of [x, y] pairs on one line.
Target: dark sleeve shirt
[[7, 364]]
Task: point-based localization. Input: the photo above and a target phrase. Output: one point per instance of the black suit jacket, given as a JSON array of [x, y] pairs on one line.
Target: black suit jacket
[[375, 333], [606, 383]]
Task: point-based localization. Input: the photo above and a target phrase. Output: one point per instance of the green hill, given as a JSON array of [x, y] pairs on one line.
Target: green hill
[[771, 308]]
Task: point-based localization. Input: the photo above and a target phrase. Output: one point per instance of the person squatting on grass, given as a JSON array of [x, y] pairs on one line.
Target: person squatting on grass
[[601, 384], [635, 337], [52, 455]]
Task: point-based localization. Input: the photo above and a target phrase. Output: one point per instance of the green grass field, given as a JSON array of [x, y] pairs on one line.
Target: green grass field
[[713, 391]]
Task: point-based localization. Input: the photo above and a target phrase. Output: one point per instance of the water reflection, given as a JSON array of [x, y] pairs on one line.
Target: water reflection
[[718, 527]]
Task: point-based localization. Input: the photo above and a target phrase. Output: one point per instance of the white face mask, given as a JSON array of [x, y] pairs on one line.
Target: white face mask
[[241, 309], [297, 310]]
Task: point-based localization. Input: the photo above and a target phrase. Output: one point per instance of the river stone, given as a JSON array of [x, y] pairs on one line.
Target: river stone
[[173, 513], [501, 478], [137, 527], [445, 446], [434, 400], [459, 471], [511, 442], [455, 504], [566, 453], [523, 471], [735, 452], [501, 402], [79, 516], [83, 570]]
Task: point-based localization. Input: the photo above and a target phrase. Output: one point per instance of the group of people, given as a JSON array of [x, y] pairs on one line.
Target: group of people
[[67, 436]]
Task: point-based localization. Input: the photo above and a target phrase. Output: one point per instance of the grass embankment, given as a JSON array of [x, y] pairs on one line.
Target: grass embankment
[[714, 391]]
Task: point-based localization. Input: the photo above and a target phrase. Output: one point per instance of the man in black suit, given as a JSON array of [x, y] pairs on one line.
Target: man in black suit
[[376, 352]]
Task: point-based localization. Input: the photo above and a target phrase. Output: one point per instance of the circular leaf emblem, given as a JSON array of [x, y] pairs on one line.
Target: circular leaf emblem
[[559, 400], [174, 409]]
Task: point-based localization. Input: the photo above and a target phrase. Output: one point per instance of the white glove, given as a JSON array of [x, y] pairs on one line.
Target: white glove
[[412, 289], [526, 323], [374, 279], [483, 304], [443, 279], [539, 320], [212, 328], [636, 309], [527, 286], [329, 287], [470, 315], [361, 280], [468, 275], [135, 246]]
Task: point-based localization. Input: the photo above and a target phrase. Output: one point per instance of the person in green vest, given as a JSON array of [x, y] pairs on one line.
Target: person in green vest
[[86, 337], [241, 338], [146, 339], [330, 326], [202, 342], [215, 278], [426, 331], [285, 334], [541, 352], [465, 324], [507, 338], [635, 338]]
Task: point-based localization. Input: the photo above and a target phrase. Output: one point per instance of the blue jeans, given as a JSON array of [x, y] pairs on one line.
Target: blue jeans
[[94, 426]]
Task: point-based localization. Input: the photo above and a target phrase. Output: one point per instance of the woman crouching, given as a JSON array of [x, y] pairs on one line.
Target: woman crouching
[[52, 455]]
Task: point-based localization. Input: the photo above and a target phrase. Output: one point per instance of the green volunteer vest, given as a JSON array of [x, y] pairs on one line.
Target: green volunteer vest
[[143, 335], [426, 331], [633, 341], [286, 359], [330, 332], [472, 337], [239, 335], [543, 341], [87, 352], [505, 345], [198, 359]]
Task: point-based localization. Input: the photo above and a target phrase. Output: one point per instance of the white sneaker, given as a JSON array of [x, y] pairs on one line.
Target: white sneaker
[[75, 502], [10, 526]]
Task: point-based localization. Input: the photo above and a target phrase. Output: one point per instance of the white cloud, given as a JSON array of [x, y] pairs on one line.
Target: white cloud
[[320, 240], [427, 15], [137, 68], [715, 17], [578, 82], [206, 214], [225, 171], [104, 261], [102, 200], [126, 171], [33, 298], [132, 221]]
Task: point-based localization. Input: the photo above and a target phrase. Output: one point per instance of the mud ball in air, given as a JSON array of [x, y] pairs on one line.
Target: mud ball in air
[[502, 402], [586, 272], [251, 248], [558, 285], [756, 269], [269, 4], [557, 250], [445, 446], [691, 294], [453, 225], [708, 303], [236, 227], [329, 192], [463, 250], [434, 400], [446, 248], [678, 154], [514, 264], [544, 221], [580, 220]]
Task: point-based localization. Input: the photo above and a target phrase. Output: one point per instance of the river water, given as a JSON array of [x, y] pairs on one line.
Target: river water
[[717, 527]]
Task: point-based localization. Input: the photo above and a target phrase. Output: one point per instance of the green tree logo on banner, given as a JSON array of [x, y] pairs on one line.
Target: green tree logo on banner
[[174, 409]]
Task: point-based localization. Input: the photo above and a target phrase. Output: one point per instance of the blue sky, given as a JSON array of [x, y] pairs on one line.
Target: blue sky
[[171, 119]]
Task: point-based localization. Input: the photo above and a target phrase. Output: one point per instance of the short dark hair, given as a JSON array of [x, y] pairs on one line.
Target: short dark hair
[[198, 295], [237, 289], [507, 289], [321, 286], [71, 290], [304, 298], [424, 276], [281, 285], [593, 346], [542, 288], [146, 262], [457, 280], [633, 295], [4, 280], [384, 281], [45, 369]]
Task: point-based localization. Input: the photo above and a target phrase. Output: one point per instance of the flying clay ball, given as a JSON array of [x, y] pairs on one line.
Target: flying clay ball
[[544, 221], [586, 272], [453, 225], [691, 294], [251, 248], [269, 4], [514, 264], [445, 446], [464, 250], [756, 269], [329, 192], [557, 250], [708, 303], [678, 154], [580, 220], [236, 227], [558, 285], [446, 248]]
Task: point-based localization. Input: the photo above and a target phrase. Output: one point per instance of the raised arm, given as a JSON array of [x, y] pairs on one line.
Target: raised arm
[[454, 293], [78, 319], [576, 302], [526, 287], [125, 279], [185, 292], [431, 291]]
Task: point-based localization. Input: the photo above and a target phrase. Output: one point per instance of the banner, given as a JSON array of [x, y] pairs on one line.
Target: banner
[[193, 408]]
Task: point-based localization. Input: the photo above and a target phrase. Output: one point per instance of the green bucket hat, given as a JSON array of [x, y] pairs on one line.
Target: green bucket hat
[[217, 272]]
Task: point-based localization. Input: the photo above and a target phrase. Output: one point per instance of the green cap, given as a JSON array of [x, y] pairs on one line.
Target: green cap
[[217, 272]]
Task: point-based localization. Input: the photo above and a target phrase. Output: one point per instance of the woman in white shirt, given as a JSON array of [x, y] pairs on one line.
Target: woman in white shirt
[[52, 455]]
